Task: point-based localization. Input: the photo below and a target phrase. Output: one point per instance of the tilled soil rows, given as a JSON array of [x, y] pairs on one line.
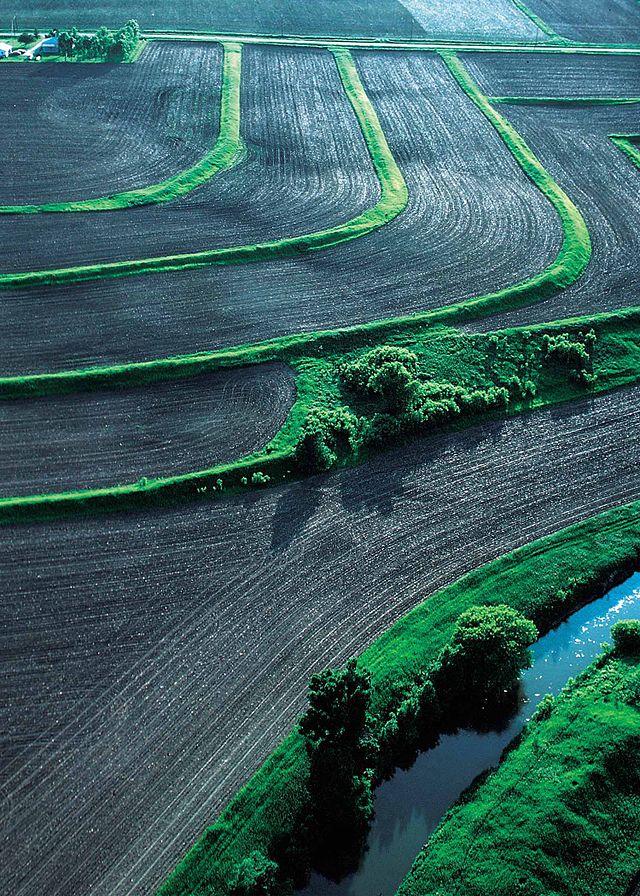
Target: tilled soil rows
[[482, 18], [598, 21], [474, 223], [71, 132], [573, 144], [554, 75], [151, 661], [307, 168], [109, 438]]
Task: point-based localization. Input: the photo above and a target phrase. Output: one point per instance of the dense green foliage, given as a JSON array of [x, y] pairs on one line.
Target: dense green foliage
[[487, 652], [543, 581], [257, 876], [626, 636], [560, 815], [113, 46]]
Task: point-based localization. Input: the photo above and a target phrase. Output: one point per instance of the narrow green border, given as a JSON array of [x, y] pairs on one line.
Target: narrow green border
[[565, 100], [225, 153], [393, 200], [624, 143], [540, 23]]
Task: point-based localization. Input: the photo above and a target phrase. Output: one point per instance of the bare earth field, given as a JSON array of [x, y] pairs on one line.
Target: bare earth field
[[307, 168], [374, 18], [474, 223], [597, 21], [151, 661], [559, 75], [72, 132], [573, 143], [113, 437]]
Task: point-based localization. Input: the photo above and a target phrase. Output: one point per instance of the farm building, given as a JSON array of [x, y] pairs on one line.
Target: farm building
[[49, 47], [5, 49]]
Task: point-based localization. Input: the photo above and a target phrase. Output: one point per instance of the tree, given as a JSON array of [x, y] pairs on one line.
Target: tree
[[334, 728], [489, 648], [256, 876], [626, 636]]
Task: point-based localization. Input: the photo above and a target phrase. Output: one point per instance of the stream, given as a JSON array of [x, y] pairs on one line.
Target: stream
[[410, 805]]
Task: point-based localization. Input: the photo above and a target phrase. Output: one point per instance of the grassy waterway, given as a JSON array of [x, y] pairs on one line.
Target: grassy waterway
[[410, 806]]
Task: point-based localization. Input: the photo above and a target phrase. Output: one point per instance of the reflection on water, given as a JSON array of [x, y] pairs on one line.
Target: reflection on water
[[410, 805]]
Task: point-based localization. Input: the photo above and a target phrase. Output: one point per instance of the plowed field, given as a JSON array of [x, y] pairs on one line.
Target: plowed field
[[152, 661]]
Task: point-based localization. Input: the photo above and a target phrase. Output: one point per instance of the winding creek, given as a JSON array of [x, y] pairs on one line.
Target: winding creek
[[410, 805]]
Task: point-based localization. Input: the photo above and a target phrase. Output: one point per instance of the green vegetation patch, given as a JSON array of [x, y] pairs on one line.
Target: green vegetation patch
[[565, 100], [561, 814], [225, 153], [544, 581]]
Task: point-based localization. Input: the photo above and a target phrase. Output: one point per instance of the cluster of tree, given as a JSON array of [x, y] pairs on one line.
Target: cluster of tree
[[349, 746], [388, 374], [114, 46], [575, 353], [626, 637]]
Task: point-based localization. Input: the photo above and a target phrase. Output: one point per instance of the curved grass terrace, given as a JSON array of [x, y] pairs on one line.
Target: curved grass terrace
[[226, 152], [629, 144]]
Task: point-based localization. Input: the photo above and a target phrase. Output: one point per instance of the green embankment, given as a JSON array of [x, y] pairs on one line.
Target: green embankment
[[225, 153], [545, 581], [629, 144], [540, 23], [393, 199], [561, 814], [565, 100]]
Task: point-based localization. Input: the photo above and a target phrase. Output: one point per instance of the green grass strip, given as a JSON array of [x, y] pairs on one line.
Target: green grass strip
[[393, 200], [629, 144], [446, 350], [568, 265], [540, 23], [224, 154], [560, 807], [544, 580], [565, 100]]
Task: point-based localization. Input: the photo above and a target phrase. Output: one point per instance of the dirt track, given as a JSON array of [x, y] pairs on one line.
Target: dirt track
[[78, 131], [108, 438], [151, 662], [474, 223]]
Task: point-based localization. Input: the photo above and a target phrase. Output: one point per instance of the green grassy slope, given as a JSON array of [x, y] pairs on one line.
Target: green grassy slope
[[561, 814], [543, 580], [225, 153], [629, 144]]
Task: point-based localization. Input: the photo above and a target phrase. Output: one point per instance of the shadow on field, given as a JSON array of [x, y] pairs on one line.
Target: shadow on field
[[295, 507]]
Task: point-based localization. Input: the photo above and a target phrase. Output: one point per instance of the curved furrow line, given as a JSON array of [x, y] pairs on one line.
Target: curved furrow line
[[223, 220], [98, 439], [450, 503], [434, 253], [93, 124]]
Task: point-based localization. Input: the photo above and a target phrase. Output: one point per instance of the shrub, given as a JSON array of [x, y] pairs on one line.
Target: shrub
[[256, 876], [326, 434], [260, 478], [488, 650], [386, 371], [626, 636]]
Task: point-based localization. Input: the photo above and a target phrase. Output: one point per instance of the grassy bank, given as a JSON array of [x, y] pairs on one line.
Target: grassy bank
[[392, 201], [517, 361], [561, 812], [629, 144], [565, 100], [544, 580], [224, 154]]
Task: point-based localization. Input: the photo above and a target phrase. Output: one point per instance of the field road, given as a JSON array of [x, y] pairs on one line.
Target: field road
[[151, 661]]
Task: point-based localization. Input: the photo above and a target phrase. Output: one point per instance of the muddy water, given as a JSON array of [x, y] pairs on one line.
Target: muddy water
[[410, 805]]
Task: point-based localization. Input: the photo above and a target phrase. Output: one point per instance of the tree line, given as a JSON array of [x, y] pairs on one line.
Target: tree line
[[114, 46]]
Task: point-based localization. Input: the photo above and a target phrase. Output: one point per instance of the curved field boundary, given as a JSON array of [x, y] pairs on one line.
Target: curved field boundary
[[568, 265], [393, 200], [540, 23], [545, 580], [224, 154], [565, 100], [629, 144]]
